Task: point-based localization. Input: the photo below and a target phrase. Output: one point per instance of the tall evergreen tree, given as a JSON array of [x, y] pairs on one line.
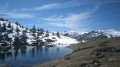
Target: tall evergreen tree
[[16, 23], [53, 33], [9, 25], [10, 31], [4, 27], [58, 35], [7, 38], [1, 37], [0, 28], [41, 31], [34, 29], [24, 38], [17, 29], [38, 29], [47, 33], [22, 27], [16, 42], [12, 27], [1, 19]]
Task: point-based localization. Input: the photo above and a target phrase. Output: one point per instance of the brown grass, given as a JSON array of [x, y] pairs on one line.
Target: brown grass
[[82, 54]]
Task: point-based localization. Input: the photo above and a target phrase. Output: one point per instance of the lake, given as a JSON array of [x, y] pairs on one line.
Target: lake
[[30, 56]]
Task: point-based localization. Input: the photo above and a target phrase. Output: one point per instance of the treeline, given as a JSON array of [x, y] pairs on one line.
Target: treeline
[[22, 34]]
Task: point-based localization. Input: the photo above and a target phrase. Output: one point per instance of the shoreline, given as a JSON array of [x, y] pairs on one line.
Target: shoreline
[[71, 46], [82, 57]]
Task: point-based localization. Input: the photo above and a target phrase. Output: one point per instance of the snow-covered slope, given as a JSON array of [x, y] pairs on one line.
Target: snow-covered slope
[[46, 38], [9, 35], [93, 34], [73, 34], [63, 41]]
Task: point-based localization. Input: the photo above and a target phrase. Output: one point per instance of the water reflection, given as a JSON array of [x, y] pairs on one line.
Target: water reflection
[[33, 52], [31, 55]]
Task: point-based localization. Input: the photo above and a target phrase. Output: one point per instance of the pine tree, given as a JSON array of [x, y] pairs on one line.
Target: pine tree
[[47, 34], [34, 29], [16, 42], [38, 29], [10, 31], [4, 27], [9, 25], [24, 38], [16, 23], [1, 37], [41, 31], [0, 28], [58, 35], [7, 38], [53, 33], [17, 29], [22, 27], [1, 19], [12, 28]]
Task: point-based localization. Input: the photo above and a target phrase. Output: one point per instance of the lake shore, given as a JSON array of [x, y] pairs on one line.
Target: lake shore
[[54, 62], [82, 57]]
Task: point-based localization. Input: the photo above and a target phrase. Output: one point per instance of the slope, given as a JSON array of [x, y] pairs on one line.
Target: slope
[[97, 53]]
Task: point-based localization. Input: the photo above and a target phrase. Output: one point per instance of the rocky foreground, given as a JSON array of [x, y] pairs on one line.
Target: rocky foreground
[[97, 53]]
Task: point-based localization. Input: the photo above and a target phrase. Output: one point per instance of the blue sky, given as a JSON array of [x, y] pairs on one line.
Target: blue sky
[[62, 15]]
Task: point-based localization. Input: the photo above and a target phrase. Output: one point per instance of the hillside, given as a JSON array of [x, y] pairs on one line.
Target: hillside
[[96, 53], [10, 32]]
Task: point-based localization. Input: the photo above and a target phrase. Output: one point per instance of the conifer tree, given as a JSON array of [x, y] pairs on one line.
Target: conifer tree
[[38, 29], [58, 35], [41, 31], [9, 25], [16, 23], [16, 42], [47, 33], [53, 33], [17, 29], [34, 29], [1, 37], [0, 28], [24, 38], [1, 19], [4, 27]]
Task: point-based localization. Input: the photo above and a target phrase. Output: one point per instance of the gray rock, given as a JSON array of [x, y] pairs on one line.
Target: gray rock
[[84, 63], [98, 54], [111, 59]]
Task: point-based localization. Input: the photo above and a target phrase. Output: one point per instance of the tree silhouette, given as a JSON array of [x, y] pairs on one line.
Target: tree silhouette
[[9, 25]]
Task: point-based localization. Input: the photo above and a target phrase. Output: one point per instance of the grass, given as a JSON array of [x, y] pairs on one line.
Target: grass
[[81, 53], [105, 49]]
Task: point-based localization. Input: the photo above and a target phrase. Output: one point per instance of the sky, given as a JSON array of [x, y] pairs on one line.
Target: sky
[[63, 15]]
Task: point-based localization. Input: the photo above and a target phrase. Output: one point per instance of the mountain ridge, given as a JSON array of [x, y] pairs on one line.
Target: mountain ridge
[[99, 34]]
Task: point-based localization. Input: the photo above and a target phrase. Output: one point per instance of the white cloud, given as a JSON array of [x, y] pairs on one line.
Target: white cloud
[[55, 6], [74, 21], [71, 21], [68, 4], [16, 15], [48, 6]]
